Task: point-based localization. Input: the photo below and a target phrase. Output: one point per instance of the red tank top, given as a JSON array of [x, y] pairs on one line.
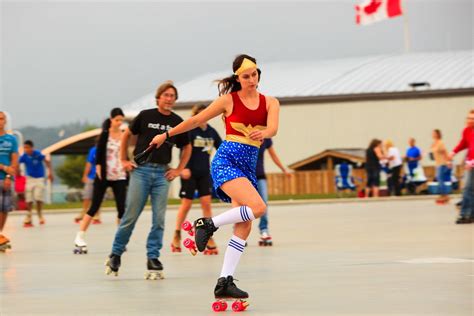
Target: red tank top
[[242, 121]]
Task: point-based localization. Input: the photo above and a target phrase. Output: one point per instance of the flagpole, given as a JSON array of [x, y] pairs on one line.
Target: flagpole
[[406, 29]]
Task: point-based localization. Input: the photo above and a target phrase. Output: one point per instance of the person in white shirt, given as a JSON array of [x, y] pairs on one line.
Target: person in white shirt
[[395, 165]]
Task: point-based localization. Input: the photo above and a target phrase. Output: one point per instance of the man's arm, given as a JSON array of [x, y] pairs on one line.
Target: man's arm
[[463, 144], [184, 159], [276, 160], [87, 169], [47, 162], [127, 164], [420, 156], [13, 168]]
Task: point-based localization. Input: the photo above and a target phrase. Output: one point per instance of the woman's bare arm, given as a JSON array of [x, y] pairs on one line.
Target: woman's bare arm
[[216, 108]]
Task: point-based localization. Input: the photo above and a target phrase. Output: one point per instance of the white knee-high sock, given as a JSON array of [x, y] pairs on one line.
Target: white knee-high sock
[[232, 255], [235, 215]]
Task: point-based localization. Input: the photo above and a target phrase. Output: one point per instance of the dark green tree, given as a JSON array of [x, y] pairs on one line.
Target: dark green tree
[[70, 172]]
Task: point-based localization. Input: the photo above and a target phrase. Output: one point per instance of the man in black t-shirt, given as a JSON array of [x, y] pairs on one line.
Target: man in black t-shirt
[[151, 177], [197, 177]]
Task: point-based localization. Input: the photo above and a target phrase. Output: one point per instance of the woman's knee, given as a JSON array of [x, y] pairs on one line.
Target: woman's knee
[[259, 209]]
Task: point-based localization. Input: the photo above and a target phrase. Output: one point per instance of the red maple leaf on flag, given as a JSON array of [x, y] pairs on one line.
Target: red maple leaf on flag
[[373, 7]]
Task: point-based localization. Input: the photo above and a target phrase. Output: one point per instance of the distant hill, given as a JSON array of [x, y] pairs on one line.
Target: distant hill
[[43, 137]]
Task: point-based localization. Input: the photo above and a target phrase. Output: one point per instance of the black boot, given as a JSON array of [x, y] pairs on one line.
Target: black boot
[[155, 269], [464, 220], [154, 264], [204, 230], [114, 262], [226, 288]]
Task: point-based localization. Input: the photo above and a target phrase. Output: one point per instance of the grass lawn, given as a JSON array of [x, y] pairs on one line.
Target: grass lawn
[[108, 203]]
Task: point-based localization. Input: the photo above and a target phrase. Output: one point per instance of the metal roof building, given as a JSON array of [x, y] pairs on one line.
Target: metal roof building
[[375, 77], [345, 103]]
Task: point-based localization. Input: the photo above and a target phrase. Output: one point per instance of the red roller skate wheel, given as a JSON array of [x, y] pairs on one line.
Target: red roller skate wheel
[[187, 226], [189, 244], [238, 306], [219, 306]]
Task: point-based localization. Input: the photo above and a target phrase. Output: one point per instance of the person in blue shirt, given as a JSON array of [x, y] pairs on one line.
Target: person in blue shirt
[[267, 145], [413, 156], [88, 177], [34, 162], [197, 177], [8, 168]]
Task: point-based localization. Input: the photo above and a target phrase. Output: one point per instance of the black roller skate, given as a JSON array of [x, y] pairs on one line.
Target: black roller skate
[[227, 290], [155, 270], [112, 264], [204, 230]]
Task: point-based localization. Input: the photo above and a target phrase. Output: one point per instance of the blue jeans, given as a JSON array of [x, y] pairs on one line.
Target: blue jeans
[[147, 179], [441, 178], [263, 191], [467, 207]]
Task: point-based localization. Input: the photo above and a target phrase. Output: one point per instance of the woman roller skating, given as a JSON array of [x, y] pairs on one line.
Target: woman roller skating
[[250, 117]]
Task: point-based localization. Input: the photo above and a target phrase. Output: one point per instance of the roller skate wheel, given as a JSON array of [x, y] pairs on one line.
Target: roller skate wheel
[[175, 248], [109, 271], [219, 306], [211, 252], [237, 306], [154, 275]]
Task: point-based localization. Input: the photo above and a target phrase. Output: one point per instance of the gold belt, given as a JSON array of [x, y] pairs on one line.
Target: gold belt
[[243, 140]]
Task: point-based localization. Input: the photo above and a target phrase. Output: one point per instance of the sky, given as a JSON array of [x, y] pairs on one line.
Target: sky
[[69, 61]]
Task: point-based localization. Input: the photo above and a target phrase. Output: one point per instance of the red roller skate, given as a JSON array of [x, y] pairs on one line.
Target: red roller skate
[[42, 221], [4, 243], [226, 290], [96, 221], [211, 248], [28, 222]]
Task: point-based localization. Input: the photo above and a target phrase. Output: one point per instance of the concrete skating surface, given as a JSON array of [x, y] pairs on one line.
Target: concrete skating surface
[[379, 258]]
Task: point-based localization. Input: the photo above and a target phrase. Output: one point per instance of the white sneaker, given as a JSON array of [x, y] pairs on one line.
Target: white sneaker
[[79, 241], [265, 236]]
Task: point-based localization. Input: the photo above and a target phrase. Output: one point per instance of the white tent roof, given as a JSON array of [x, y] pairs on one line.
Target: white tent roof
[[351, 76]]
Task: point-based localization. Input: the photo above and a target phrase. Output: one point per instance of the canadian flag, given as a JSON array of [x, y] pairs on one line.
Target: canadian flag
[[371, 11]]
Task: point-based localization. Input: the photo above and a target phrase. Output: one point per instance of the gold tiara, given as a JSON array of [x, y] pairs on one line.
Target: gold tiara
[[246, 64]]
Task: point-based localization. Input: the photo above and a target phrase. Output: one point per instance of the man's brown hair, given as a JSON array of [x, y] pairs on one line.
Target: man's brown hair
[[165, 86]]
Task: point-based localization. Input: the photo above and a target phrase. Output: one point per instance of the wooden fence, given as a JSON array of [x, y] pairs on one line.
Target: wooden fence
[[323, 181]]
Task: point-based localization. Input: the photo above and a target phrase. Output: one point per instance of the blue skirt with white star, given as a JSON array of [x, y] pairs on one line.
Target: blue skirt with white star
[[233, 160]]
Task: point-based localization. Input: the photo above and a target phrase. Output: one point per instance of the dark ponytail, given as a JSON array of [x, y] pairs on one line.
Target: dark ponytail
[[230, 84], [106, 125]]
